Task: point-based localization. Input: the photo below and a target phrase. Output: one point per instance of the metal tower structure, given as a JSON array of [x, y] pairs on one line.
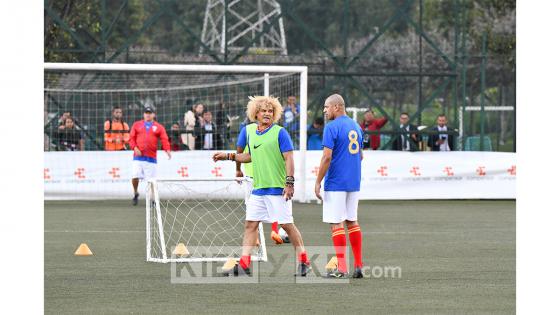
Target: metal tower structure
[[240, 25]]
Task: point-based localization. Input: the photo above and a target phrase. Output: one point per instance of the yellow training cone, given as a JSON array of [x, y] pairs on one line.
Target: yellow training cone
[[229, 264], [332, 264], [180, 250], [83, 250]]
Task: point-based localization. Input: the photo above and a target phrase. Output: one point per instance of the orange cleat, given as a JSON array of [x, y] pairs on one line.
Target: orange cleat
[[276, 238]]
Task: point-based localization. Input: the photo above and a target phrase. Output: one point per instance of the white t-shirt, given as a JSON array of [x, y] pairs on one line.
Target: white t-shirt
[[208, 143], [445, 145], [405, 143]]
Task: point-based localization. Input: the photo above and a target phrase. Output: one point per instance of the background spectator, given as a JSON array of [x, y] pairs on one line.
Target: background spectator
[[175, 138], [192, 118], [223, 122], [207, 135], [404, 143], [441, 142], [371, 123], [68, 137], [116, 131], [62, 119], [291, 119], [315, 134]]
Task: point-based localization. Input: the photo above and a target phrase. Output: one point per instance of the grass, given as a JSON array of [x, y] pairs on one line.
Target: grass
[[456, 257]]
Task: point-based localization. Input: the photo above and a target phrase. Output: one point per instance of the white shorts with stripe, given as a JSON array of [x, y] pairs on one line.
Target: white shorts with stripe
[[339, 206], [269, 208]]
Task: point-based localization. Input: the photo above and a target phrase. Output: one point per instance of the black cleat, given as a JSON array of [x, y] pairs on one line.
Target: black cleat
[[303, 270], [135, 199], [357, 273], [337, 274], [237, 271]]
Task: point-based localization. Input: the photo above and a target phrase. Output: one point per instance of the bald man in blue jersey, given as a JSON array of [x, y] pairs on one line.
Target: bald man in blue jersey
[[342, 170]]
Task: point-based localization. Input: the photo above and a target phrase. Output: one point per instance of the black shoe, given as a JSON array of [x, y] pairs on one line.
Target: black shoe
[[238, 271], [357, 273], [303, 270], [135, 199], [337, 274]]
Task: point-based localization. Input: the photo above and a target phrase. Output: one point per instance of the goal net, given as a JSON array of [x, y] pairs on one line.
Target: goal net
[[180, 95], [198, 220]]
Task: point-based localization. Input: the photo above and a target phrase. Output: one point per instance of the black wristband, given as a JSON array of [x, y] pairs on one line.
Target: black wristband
[[290, 180]]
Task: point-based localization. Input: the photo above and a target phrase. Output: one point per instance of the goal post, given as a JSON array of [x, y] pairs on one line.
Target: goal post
[[198, 220]]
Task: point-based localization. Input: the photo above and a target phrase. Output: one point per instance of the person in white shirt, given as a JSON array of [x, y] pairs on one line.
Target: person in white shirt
[[192, 118]]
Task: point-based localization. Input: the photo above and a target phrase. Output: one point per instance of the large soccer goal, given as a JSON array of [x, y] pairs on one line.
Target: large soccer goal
[[195, 210], [89, 93]]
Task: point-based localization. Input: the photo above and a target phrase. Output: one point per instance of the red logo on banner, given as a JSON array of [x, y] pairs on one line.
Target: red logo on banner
[[183, 171], [415, 171], [115, 172], [80, 173], [512, 171], [315, 170], [481, 171], [448, 170], [382, 171], [46, 174], [217, 172]]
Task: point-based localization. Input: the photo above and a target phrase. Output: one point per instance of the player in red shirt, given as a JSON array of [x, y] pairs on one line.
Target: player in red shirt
[[144, 136], [371, 123]]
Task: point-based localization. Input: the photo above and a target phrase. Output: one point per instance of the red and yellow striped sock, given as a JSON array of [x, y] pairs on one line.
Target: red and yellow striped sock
[[355, 236], [339, 242]]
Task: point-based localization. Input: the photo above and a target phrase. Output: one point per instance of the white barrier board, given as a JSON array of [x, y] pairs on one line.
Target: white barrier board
[[385, 174]]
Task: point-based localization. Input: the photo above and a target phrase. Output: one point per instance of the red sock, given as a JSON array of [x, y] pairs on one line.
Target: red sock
[[275, 226], [303, 258], [355, 236], [245, 261], [339, 242]]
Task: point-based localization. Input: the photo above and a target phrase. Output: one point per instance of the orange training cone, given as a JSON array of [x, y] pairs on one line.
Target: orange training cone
[[180, 250], [83, 250]]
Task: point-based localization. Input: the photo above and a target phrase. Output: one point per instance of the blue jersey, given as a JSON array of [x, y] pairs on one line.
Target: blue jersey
[[344, 137]]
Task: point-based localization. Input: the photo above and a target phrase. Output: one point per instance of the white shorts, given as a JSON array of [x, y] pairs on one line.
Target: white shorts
[[269, 208], [143, 170], [339, 206], [248, 185]]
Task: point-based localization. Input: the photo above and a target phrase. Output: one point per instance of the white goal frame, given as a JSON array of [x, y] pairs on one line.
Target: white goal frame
[[265, 70], [152, 195]]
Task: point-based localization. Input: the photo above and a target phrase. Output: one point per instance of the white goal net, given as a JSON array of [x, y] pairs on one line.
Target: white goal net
[[197, 220]]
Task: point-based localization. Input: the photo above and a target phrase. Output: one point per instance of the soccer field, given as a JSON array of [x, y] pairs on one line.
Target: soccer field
[[456, 257]]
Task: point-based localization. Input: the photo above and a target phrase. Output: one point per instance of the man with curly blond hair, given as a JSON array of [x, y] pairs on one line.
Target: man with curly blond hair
[[271, 154]]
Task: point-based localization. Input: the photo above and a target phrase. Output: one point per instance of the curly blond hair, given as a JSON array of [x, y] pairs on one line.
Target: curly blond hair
[[256, 103]]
